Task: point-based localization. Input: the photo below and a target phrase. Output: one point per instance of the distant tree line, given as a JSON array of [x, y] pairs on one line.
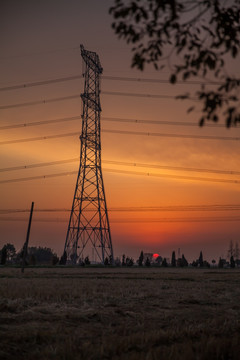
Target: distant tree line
[[35, 256], [46, 256]]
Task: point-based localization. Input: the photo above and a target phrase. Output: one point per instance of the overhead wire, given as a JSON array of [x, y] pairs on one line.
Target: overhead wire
[[161, 81], [158, 122], [39, 102], [145, 220], [111, 119], [124, 132], [36, 165], [167, 167], [105, 77], [40, 83], [39, 123], [153, 96], [52, 81], [29, 178], [181, 136], [127, 172], [124, 163], [175, 177], [37, 138], [76, 96], [45, 82], [174, 220], [166, 208]]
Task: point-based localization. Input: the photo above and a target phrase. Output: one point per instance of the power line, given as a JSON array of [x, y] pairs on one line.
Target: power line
[[124, 163], [31, 166], [153, 96], [166, 208], [160, 81], [167, 167], [105, 77], [38, 177], [112, 119], [188, 220], [124, 132], [71, 97], [175, 177], [39, 102], [40, 83], [181, 136], [162, 220], [127, 172], [158, 122], [39, 123], [8, 142]]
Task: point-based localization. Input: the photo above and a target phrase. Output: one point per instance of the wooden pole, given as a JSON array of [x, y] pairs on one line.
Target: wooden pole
[[25, 246]]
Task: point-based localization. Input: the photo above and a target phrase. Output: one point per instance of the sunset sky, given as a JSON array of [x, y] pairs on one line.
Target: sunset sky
[[39, 40]]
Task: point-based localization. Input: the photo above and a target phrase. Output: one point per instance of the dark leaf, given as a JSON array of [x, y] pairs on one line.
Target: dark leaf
[[201, 121], [173, 79], [190, 109]]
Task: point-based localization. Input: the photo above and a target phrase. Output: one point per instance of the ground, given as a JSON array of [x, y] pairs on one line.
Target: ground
[[119, 313]]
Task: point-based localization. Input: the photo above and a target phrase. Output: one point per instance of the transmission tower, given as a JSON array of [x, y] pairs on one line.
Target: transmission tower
[[88, 229]]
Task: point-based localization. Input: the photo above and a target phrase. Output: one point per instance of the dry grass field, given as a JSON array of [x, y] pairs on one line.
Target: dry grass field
[[119, 313]]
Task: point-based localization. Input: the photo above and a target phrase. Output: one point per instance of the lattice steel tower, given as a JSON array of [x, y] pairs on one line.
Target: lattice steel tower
[[88, 228]]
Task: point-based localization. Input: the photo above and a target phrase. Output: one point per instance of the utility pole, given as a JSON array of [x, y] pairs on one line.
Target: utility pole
[[89, 224], [25, 246]]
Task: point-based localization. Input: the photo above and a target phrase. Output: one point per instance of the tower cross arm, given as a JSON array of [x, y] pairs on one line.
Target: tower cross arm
[[92, 59]]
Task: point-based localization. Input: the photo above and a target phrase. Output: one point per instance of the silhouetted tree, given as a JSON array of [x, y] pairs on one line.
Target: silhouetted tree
[[147, 262], [81, 263], [158, 260], [117, 261], [87, 261], [111, 260], [237, 261], [32, 260], [140, 259], [173, 261], [123, 260], [63, 259], [3, 255], [129, 261], [230, 250], [195, 263], [164, 263], [236, 251], [43, 255], [206, 264], [196, 38], [183, 262], [55, 259], [220, 263], [213, 262], [9, 251], [106, 261], [200, 260], [232, 262]]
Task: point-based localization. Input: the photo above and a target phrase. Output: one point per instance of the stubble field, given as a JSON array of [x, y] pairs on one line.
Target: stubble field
[[119, 313]]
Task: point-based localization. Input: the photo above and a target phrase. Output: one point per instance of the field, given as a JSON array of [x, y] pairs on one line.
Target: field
[[119, 313]]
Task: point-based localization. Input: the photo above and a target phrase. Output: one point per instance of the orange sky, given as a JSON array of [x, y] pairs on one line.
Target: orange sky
[[39, 41]]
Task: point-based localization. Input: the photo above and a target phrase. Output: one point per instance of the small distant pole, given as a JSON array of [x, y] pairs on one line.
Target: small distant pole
[[25, 246]]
